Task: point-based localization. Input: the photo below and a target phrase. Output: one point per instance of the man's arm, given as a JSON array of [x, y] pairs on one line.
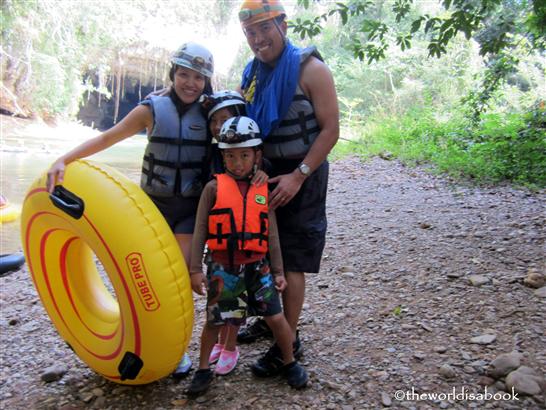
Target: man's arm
[[318, 85]]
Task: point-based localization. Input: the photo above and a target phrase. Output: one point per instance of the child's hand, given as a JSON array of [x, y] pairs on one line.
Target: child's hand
[[198, 283], [259, 178], [55, 175], [280, 283]]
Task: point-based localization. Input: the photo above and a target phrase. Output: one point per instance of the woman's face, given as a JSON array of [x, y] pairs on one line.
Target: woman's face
[[217, 120], [188, 84]]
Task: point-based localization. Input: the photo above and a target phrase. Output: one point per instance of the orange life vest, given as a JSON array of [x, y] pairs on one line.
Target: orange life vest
[[238, 222]]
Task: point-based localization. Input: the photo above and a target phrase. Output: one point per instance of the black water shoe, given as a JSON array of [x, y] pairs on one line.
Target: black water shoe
[[200, 383], [251, 333], [295, 375], [271, 363]]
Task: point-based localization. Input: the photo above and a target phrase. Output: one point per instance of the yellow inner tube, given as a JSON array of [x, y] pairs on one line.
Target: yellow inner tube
[[136, 332], [9, 213]]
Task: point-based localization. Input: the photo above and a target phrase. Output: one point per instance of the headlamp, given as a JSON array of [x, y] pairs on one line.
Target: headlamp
[[245, 14]]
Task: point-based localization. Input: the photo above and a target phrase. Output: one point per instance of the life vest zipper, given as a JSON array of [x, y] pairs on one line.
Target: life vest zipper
[[244, 220]]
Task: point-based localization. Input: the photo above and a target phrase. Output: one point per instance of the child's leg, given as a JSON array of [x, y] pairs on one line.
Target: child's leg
[[283, 335], [224, 332], [208, 340], [230, 340]]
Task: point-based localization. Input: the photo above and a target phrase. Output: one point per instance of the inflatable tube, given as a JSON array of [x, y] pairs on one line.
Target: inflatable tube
[[137, 333], [11, 262], [9, 213]]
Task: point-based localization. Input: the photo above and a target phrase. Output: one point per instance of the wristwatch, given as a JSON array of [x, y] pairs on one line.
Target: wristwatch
[[304, 169]]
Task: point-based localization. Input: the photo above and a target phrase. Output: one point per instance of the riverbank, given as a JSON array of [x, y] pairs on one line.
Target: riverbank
[[28, 147], [21, 135], [424, 284]]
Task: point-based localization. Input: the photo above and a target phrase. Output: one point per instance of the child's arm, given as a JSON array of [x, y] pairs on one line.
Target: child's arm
[[206, 202], [259, 178], [138, 119], [275, 253]]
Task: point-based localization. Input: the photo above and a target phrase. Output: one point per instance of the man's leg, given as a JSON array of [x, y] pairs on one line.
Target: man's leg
[[293, 297]]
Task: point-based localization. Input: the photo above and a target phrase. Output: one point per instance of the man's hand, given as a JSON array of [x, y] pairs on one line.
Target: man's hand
[[288, 185], [280, 283], [198, 283]]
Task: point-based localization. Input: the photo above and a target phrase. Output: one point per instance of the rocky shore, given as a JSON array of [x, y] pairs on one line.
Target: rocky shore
[[431, 295]]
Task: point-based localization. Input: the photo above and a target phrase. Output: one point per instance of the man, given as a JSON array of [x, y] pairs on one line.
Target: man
[[290, 92]]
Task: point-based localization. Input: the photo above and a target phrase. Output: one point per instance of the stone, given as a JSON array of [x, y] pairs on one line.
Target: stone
[[483, 339], [504, 364], [440, 349], [485, 381], [53, 373], [478, 280], [534, 279], [541, 292], [522, 383], [386, 399], [447, 372]]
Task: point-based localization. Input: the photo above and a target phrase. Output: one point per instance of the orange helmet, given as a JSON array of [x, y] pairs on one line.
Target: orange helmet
[[256, 11]]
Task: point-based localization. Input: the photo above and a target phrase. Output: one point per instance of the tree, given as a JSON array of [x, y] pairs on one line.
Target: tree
[[496, 25]]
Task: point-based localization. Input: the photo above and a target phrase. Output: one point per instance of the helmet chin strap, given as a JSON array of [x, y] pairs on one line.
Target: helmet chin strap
[[279, 30]]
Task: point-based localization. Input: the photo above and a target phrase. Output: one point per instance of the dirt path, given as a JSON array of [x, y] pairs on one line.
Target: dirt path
[[398, 305]]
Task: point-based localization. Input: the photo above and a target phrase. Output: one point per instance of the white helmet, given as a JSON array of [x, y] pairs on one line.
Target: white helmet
[[195, 57], [225, 98], [239, 132]]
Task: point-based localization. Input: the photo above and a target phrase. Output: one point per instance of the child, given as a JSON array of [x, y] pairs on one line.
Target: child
[[223, 106], [174, 165], [234, 220]]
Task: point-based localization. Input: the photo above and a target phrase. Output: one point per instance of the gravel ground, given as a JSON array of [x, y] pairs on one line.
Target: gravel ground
[[424, 284]]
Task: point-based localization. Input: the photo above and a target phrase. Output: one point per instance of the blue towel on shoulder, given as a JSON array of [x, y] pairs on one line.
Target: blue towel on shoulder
[[274, 88]]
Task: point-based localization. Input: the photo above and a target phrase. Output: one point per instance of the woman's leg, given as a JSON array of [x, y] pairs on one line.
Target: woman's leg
[[184, 242]]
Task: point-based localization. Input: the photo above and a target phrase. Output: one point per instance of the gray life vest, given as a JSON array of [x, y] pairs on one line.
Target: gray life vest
[[175, 157], [299, 128]]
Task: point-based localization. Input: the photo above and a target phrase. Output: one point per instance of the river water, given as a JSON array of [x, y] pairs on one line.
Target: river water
[[23, 158]]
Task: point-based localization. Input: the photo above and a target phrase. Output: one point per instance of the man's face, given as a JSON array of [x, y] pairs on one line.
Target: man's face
[[266, 40]]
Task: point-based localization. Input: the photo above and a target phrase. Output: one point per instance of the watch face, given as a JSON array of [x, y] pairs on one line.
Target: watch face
[[305, 170]]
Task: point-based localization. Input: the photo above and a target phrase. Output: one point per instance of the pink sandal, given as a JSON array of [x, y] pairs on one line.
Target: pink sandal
[[215, 354], [227, 362]]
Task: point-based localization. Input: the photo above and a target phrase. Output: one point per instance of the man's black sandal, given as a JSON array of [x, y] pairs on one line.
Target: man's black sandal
[[271, 363], [295, 375], [251, 333]]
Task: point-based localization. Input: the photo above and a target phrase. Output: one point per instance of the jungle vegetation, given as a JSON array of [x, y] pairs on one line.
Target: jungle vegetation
[[459, 84]]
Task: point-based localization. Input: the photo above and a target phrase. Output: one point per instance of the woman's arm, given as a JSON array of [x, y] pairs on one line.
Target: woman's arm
[[138, 119]]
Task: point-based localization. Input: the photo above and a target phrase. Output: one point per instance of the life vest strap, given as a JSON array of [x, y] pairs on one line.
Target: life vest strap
[[295, 121], [172, 164], [279, 139], [178, 141]]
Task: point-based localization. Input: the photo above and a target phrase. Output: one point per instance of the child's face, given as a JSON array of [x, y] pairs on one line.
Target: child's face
[[239, 161], [217, 120], [188, 84]]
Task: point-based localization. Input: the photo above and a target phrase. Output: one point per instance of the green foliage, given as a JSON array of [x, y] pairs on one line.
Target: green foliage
[[501, 147], [496, 25], [501, 19], [51, 50]]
